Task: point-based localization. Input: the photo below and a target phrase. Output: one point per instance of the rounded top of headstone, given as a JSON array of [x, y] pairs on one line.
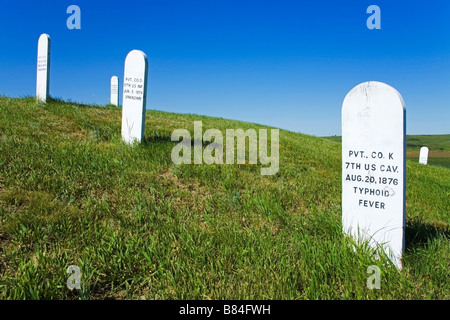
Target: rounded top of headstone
[[135, 54], [44, 41], [43, 36], [369, 89], [424, 148]]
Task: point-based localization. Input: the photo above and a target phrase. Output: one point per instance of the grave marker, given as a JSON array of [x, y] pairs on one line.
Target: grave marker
[[43, 68], [134, 96], [423, 158], [115, 91], [373, 167]]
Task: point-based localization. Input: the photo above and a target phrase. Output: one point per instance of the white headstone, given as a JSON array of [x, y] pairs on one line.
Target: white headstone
[[43, 68], [115, 90], [373, 167], [134, 96], [423, 157]]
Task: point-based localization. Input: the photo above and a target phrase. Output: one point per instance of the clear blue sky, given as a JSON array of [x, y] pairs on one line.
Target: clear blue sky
[[283, 63]]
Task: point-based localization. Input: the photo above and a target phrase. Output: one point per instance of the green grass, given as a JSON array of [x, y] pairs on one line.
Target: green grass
[[439, 146], [434, 161], [140, 227], [440, 142], [334, 138], [433, 142]]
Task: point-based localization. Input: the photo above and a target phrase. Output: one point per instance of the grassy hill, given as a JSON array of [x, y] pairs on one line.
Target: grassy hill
[[140, 227]]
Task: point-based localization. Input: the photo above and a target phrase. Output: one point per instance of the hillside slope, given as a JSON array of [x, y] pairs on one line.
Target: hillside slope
[[140, 227]]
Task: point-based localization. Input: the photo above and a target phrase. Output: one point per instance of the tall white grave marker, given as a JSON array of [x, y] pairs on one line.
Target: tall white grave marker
[[43, 68], [423, 157], [134, 96], [115, 90], [373, 167]]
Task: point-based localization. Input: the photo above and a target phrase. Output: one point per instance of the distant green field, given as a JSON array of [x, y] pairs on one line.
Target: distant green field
[[433, 142], [439, 146]]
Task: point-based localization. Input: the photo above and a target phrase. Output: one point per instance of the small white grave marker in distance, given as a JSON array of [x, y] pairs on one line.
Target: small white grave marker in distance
[[115, 91], [423, 157]]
